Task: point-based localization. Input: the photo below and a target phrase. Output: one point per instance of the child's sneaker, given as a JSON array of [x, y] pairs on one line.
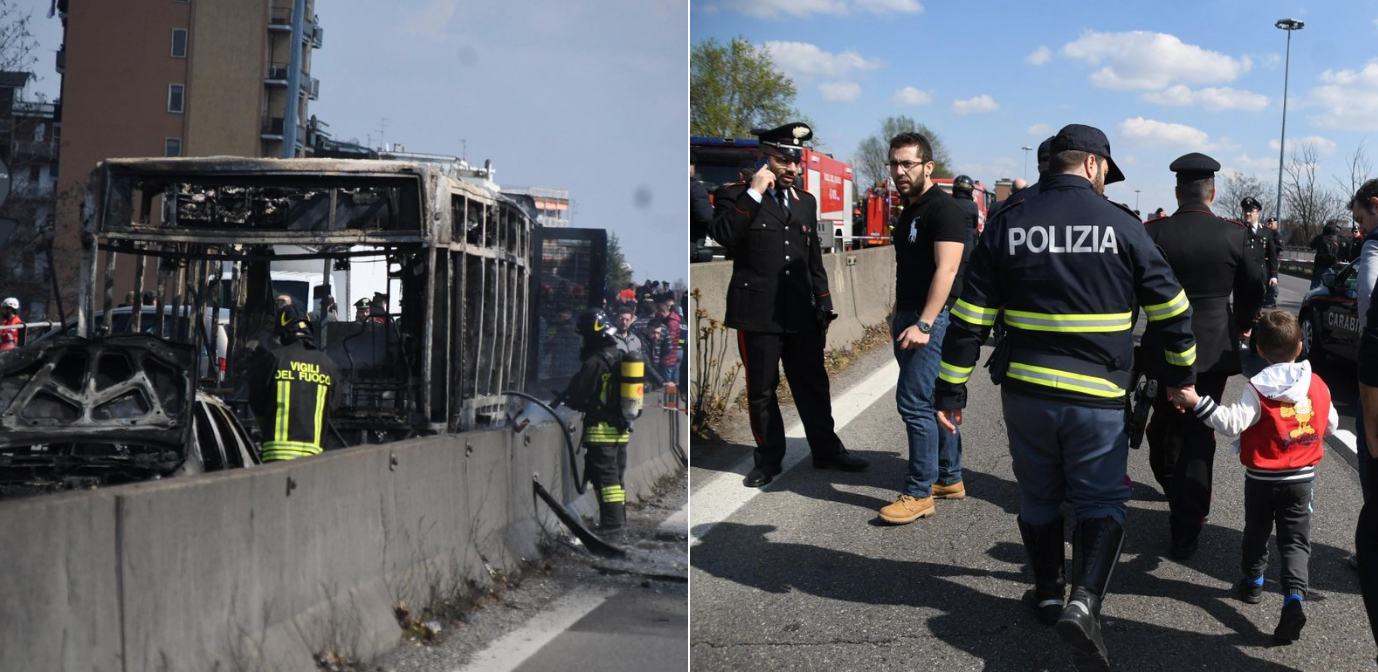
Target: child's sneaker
[[1293, 619], [1250, 590]]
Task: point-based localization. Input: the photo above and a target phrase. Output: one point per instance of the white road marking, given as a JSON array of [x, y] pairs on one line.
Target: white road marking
[[722, 495], [678, 522], [1347, 438], [512, 650]]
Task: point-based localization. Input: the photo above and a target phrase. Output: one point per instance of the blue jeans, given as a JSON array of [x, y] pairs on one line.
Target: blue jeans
[[1064, 451], [670, 373], [935, 456]]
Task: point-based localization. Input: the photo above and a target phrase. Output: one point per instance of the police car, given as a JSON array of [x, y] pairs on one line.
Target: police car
[[1330, 317]]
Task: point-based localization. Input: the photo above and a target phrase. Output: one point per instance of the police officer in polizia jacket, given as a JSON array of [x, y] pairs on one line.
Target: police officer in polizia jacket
[[1065, 270], [593, 392], [778, 302], [292, 390], [1212, 258]]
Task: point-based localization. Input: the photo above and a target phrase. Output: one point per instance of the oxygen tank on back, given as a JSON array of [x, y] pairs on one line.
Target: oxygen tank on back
[[632, 384]]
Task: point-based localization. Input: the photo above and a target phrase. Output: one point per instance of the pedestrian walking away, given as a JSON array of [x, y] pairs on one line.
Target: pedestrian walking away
[[1281, 420], [1064, 270], [779, 303], [931, 240], [1213, 259]]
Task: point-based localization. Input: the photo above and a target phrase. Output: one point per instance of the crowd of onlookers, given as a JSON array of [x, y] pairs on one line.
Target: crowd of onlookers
[[648, 319]]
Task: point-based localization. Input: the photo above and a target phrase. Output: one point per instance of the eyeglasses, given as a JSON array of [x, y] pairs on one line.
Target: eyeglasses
[[906, 166]]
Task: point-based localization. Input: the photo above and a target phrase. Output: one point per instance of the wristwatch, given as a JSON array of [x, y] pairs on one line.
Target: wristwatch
[[924, 327]]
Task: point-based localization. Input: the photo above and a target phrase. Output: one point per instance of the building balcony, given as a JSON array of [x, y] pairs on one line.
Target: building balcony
[[276, 74], [35, 149], [312, 87], [271, 128], [62, 60]]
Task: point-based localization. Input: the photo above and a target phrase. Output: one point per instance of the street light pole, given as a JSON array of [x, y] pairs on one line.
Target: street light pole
[[1136, 201], [1026, 149], [1288, 25]]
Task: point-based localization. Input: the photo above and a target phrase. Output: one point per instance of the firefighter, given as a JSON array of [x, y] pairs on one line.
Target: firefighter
[[9, 316], [1065, 272], [1214, 261], [292, 390], [593, 391]]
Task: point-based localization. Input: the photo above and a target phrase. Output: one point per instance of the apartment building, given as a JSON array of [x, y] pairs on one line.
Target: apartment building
[[179, 78], [28, 147]]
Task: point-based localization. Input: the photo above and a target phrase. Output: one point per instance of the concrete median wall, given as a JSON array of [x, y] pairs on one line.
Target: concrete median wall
[[261, 568], [862, 284]]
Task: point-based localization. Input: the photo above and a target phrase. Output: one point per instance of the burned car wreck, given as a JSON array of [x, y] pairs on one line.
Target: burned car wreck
[[78, 413]]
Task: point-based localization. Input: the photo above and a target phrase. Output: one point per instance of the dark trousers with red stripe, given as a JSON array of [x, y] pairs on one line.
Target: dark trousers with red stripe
[[1181, 451], [801, 353]]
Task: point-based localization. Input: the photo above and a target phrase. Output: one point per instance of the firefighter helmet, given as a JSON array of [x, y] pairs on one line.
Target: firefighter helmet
[[10, 303], [963, 184], [291, 323], [593, 323]]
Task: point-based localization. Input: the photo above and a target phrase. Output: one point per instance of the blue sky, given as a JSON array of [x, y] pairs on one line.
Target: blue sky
[[557, 94], [1161, 79]]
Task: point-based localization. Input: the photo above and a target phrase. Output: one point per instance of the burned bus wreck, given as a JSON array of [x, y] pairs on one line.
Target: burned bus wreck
[[207, 237]]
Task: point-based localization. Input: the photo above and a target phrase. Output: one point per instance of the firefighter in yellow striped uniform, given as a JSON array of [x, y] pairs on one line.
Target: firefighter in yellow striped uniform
[[292, 390], [593, 391]]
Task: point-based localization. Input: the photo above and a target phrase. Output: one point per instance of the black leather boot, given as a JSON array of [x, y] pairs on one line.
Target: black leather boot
[[612, 521], [1043, 543], [1095, 550]]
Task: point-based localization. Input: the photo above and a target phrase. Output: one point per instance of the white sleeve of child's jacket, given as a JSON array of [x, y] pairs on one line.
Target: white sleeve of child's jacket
[[1333, 423], [1230, 420]]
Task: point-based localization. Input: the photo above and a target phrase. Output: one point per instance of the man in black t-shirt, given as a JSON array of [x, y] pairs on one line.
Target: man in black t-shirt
[[930, 239]]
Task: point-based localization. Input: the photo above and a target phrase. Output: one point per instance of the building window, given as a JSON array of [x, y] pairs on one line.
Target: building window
[[52, 170], [174, 97], [35, 171], [179, 42], [172, 147]]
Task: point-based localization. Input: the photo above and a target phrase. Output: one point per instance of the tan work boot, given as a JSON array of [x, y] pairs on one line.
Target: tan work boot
[[954, 491], [907, 509]]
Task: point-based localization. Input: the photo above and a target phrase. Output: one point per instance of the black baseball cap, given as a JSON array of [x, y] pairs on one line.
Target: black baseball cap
[[1077, 137]]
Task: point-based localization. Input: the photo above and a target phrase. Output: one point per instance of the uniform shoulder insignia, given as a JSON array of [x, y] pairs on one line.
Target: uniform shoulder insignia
[[1236, 222], [1157, 218]]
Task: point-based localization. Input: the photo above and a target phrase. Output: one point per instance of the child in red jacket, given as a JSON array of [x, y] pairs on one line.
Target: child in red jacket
[[1281, 420]]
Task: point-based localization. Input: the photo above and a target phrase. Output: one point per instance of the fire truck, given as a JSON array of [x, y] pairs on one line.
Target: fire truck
[[829, 180], [882, 206]]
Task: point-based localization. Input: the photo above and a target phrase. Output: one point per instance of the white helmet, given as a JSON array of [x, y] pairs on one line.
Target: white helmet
[[10, 303]]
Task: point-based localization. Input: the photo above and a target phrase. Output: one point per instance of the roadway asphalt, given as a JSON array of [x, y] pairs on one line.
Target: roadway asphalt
[[576, 611], [801, 575]]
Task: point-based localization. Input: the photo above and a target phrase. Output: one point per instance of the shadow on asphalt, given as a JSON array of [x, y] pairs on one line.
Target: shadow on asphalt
[[1001, 632]]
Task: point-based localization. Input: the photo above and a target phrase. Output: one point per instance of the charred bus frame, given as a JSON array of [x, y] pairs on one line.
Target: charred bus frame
[[455, 338]]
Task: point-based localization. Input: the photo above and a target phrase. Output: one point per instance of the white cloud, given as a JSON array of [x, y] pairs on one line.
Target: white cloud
[[1149, 132], [432, 18], [802, 58], [1211, 98], [1040, 130], [1039, 56], [1144, 60], [889, 6], [978, 105], [1324, 146], [840, 92], [1271, 61], [803, 9], [911, 96], [1248, 164], [1348, 98]]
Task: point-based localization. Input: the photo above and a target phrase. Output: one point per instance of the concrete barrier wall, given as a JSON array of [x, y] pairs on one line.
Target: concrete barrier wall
[[261, 568], [863, 292]]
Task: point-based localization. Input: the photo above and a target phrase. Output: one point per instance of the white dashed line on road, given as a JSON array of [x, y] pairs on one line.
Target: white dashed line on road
[[1347, 439], [721, 496]]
